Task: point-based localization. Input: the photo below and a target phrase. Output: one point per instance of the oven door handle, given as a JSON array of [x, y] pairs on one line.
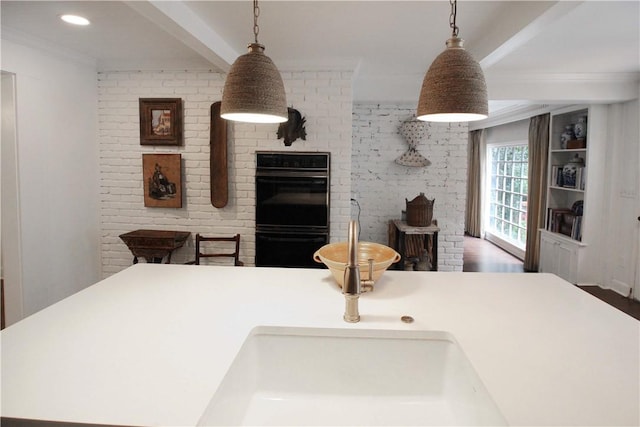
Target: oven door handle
[[312, 181], [292, 174], [319, 239]]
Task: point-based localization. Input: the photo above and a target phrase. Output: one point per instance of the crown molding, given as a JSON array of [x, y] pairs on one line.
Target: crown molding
[[516, 113], [534, 77], [318, 64], [509, 114]]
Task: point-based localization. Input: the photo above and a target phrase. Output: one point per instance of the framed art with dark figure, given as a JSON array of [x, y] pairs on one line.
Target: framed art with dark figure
[[162, 175], [160, 121]]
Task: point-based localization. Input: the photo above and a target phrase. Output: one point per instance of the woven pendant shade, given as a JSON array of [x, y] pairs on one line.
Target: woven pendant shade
[[254, 91], [454, 89]]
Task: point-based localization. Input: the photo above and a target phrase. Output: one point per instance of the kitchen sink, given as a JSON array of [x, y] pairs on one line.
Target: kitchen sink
[[314, 376]]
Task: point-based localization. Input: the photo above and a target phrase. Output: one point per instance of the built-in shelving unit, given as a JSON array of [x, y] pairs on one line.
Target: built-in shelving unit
[[570, 227], [567, 175]]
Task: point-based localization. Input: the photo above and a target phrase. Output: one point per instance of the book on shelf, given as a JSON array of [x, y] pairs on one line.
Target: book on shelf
[[576, 228], [556, 176], [554, 218], [568, 179], [564, 221], [578, 181]]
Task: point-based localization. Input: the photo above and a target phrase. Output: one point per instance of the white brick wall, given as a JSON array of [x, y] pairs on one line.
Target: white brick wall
[[381, 186], [324, 98]]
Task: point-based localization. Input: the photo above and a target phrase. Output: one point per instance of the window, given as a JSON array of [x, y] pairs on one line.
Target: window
[[506, 219]]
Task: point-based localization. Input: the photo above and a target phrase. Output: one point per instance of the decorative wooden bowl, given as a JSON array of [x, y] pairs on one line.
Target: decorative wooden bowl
[[334, 256]]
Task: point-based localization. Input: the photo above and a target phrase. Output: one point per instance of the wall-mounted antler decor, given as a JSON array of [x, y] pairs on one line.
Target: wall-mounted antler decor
[[293, 128]]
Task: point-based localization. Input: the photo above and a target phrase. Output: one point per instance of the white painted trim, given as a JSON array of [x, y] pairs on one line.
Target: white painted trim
[[619, 287], [10, 224], [626, 77], [183, 23], [504, 245], [537, 26], [488, 235], [509, 115], [328, 64], [521, 112]]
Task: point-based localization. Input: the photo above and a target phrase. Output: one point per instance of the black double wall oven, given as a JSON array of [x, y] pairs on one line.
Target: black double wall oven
[[292, 207]]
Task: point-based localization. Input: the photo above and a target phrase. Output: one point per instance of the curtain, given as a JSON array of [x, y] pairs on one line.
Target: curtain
[[538, 158], [473, 214]]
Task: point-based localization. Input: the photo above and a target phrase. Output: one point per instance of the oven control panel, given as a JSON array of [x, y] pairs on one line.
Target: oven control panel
[[316, 161]]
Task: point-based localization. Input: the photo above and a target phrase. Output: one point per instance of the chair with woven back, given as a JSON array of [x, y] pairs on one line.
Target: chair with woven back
[[203, 252]]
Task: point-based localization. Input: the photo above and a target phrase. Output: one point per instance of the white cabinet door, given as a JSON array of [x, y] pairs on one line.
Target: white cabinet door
[[547, 262], [567, 260], [559, 256]]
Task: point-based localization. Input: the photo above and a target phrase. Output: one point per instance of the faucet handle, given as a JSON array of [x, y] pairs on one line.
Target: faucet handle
[[367, 284]]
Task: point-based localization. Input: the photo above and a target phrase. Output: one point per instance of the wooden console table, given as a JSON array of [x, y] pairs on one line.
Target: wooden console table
[[400, 234], [154, 245]]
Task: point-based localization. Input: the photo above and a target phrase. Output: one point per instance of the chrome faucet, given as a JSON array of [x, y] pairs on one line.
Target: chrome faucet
[[351, 287]]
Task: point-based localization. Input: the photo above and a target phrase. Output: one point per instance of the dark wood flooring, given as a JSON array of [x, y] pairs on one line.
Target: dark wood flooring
[[622, 303], [483, 256]]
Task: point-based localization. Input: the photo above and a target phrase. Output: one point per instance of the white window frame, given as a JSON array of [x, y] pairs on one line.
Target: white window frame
[[507, 245]]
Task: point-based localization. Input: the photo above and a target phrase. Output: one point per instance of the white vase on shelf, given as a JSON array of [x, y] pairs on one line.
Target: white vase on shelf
[[570, 170], [566, 136], [580, 128]]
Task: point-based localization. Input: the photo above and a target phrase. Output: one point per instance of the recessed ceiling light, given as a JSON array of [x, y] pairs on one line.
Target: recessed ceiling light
[[75, 19]]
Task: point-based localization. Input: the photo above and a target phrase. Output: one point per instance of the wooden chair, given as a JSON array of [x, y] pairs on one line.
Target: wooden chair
[[201, 252]]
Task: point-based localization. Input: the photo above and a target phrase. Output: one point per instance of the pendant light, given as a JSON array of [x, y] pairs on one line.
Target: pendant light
[[454, 89], [254, 91]]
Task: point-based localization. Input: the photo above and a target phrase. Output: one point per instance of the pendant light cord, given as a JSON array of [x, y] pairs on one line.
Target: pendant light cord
[[452, 17], [256, 13]]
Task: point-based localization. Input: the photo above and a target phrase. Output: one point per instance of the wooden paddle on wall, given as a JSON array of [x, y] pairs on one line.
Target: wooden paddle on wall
[[218, 158]]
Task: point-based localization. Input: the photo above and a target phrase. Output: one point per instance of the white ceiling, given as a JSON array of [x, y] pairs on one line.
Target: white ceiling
[[589, 49]]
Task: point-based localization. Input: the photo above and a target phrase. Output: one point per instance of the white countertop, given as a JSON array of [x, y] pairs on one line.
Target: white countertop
[[149, 345]]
